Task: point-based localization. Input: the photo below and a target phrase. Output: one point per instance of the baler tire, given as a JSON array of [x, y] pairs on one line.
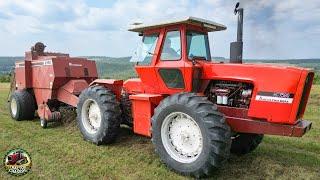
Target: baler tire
[[215, 134], [244, 143], [109, 112], [126, 112], [43, 123], [25, 105]]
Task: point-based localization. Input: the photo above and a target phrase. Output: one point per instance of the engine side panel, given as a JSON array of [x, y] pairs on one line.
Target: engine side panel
[[276, 90]]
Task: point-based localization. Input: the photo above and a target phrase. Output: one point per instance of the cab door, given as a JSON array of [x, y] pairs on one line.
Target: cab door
[[146, 60], [170, 64]]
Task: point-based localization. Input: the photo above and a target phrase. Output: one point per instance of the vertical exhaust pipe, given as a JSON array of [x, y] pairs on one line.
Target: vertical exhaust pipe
[[240, 25], [236, 48]]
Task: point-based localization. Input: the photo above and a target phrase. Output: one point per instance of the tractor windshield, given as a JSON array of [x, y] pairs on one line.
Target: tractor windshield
[[198, 45], [145, 51]]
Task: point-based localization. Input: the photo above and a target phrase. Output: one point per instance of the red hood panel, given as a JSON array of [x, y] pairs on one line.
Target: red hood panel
[[264, 77]]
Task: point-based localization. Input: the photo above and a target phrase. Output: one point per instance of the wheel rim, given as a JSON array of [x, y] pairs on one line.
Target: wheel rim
[[13, 106], [91, 116], [181, 137], [42, 122]]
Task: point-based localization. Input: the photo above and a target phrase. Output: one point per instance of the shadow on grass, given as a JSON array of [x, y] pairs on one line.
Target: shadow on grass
[[127, 137], [257, 164]]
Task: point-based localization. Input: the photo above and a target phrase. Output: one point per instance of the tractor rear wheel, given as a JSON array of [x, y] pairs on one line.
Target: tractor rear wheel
[[22, 105], [244, 143], [98, 115], [190, 135]]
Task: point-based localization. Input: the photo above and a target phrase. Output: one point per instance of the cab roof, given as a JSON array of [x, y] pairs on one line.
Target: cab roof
[[209, 25]]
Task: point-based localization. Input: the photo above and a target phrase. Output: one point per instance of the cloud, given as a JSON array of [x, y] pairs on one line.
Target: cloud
[[3, 16], [78, 16], [270, 25]]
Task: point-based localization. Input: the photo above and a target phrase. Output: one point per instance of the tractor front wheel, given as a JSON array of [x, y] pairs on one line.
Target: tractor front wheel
[[244, 143], [98, 115], [22, 105], [190, 135]]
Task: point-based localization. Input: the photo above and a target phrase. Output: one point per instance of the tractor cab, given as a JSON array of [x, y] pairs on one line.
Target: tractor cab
[[168, 55]]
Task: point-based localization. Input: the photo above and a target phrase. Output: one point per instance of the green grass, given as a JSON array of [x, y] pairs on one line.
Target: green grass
[[61, 153]]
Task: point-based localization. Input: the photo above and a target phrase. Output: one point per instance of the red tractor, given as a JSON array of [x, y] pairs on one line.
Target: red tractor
[[17, 159], [195, 110]]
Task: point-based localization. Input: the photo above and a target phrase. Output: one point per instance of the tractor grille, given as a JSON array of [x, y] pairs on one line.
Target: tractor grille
[[305, 95]]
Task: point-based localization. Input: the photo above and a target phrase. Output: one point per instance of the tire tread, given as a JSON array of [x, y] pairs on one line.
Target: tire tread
[[110, 110], [219, 132], [26, 105]]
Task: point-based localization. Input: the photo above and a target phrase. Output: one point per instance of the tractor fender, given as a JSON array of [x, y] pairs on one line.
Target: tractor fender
[[133, 86], [112, 84]]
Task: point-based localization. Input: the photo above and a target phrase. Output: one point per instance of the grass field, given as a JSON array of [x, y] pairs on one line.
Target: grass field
[[60, 152]]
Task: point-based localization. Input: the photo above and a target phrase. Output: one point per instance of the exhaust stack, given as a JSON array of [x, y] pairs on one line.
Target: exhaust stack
[[236, 48]]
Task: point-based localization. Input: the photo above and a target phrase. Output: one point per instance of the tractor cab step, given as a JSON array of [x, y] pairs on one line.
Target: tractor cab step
[[143, 106]]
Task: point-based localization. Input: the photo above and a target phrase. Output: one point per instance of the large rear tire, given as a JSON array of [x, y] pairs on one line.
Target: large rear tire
[[22, 105], [190, 135], [98, 115], [126, 112], [244, 143]]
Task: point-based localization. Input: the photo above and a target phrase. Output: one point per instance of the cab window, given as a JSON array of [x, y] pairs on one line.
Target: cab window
[[145, 51], [172, 77], [172, 46], [198, 45]]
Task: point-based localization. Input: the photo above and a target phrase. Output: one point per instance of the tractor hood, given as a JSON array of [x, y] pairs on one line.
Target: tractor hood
[[253, 72], [267, 79]]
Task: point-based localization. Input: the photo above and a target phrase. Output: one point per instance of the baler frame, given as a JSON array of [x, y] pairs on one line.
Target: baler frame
[[53, 77]]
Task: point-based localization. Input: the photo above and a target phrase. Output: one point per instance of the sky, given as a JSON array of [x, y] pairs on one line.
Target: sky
[[272, 29]]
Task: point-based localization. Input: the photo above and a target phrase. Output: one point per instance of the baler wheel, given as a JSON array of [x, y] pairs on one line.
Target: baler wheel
[[22, 105], [98, 115], [126, 112], [190, 135], [43, 123], [244, 143]]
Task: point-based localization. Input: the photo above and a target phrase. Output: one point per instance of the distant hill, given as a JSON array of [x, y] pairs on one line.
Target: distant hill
[[7, 64], [122, 68], [109, 59]]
